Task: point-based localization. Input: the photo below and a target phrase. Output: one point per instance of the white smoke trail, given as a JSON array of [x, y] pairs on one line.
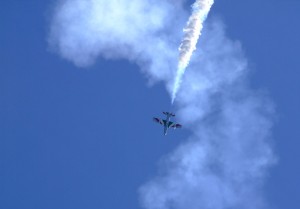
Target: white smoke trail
[[192, 32], [224, 162]]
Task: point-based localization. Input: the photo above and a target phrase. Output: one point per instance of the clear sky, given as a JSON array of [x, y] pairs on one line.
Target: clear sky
[[83, 138]]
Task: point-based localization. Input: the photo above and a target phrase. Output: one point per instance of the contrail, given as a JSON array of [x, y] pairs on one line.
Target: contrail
[[226, 158], [192, 32]]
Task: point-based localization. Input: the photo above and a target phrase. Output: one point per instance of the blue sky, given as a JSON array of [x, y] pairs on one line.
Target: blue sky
[[74, 138]]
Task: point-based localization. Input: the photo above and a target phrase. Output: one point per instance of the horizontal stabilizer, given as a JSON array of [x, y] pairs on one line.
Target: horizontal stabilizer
[[169, 114]]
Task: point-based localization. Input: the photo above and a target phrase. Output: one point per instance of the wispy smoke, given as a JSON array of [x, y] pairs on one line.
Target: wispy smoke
[[192, 32], [224, 162]]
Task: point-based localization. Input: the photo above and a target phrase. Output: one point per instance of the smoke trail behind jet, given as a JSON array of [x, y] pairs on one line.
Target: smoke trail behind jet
[[192, 32], [224, 163]]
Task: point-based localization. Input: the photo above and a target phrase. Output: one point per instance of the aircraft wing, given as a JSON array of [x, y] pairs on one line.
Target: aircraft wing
[[158, 120], [175, 125]]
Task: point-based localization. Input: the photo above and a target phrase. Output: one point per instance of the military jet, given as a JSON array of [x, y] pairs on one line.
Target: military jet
[[167, 123]]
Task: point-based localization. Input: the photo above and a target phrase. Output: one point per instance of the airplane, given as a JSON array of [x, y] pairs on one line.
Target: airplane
[[167, 123]]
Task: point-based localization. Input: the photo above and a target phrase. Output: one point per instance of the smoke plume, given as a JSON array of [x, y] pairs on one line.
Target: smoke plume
[[224, 162], [192, 32]]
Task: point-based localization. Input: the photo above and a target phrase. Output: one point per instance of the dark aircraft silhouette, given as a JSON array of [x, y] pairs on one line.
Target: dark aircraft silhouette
[[167, 123]]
